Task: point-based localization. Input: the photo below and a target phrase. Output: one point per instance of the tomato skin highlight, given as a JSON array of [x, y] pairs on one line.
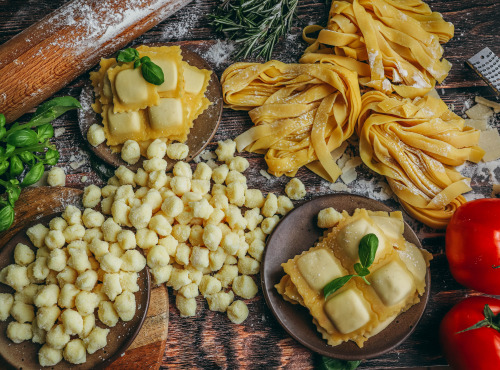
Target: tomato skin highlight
[[473, 245], [475, 349]]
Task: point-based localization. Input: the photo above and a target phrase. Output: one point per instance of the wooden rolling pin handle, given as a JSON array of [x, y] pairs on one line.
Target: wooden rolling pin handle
[[54, 51]]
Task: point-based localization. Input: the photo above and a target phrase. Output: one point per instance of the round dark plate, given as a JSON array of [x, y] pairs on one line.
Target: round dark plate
[[202, 132], [298, 232], [25, 355]]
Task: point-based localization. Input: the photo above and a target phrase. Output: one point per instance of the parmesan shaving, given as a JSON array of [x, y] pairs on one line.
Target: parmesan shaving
[[488, 103], [479, 111], [478, 124], [490, 143]]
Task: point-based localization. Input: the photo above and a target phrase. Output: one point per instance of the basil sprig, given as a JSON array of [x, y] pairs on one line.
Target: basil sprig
[[328, 363], [27, 147], [367, 250], [151, 72]]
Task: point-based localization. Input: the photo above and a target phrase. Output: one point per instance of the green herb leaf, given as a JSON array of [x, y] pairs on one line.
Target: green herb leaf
[[45, 132], [16, 166], [145, 59], [27, 157], [49, 111], [127, 55], [3, 132], [3, 167], [2, 120], [9, 149], [335, 285], [22, 138], [51, 157], [335, 364], [137, 63], [367, 249], [13, 192], [6, 217], [33, 175], [152, 73], [360, 270]]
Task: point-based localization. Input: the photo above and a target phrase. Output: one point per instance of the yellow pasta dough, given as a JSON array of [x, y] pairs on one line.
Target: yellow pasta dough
[[301, 113], [415, 144], [392, 45]]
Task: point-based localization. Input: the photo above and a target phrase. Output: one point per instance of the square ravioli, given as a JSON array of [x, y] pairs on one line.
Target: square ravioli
[[348, 311]]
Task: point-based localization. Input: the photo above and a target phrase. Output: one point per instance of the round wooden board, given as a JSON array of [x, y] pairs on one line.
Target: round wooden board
[[297, 232], [147, 350], [202, 132]]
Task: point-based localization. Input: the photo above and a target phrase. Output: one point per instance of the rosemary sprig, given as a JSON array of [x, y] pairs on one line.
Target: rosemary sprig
[[255, 25]]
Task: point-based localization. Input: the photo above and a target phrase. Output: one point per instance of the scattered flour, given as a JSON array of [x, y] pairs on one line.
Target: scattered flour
[[220, 53]]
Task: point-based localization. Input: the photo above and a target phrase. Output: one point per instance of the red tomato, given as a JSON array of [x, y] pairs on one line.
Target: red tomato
[[473, 245], [476, 349]]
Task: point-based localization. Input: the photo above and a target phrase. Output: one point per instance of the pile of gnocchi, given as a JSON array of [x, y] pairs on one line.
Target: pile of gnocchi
[[202, 232]]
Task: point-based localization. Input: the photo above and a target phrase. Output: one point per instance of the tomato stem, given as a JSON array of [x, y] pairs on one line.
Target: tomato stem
[[490, 321]]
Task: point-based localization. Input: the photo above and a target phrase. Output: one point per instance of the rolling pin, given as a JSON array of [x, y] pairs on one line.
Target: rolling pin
[[54, 51]]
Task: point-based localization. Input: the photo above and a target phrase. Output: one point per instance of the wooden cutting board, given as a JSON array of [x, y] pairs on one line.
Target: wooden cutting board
[[149, 346]]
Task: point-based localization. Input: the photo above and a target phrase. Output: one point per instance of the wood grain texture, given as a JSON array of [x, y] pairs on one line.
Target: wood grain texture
[[210, 340]]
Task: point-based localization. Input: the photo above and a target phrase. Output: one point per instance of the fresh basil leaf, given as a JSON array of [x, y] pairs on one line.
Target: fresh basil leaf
[[360, 270], [22, 138], [152, 73], [335, 285], [2, 120], [4, 166], [335, 364], [3, 132], [16, 166], [51, 157], [45, 132], [6, 217], [33, 175], [137, 63], [127, 55], [145, 59], [13, 193], [367, 249], [49, 111], [27, 157], [9, 149]]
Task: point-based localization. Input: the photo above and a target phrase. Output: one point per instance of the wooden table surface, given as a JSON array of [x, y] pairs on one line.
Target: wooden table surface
[[210, 340]]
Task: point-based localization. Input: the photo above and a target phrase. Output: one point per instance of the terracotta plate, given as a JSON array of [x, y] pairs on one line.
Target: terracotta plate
[[201, 133], [298, 232], [25, 355]]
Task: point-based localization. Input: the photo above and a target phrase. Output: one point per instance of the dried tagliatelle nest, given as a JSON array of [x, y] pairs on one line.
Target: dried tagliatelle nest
[[301, 113], [416, 144], [392, 45]]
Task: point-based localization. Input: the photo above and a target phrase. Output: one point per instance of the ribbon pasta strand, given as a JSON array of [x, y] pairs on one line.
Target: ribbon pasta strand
[[415, 144], [301, 112], [393, 45]]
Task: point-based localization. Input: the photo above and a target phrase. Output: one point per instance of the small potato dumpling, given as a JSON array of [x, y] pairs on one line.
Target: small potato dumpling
[[328, 218], [196, 235], [133, 261], [235, 176], [256, 249], [157, 149], [212, 237], [217, 259], [236, 193], [209, 285], [86, 302], [38, 334], [248, 266], [244, 286], [91, 196], [120, 211], [181, 232], [202, 172], [154, 164], [231, 243], [111, 285], [73, 232], [111, 263], [253, 218], [220, 202], [57, 260], [161, 274], [125, 176], [99, 247], [186, 306], [88, 325], [172, 206], [55, 239], [67, 275], [37, 234], [107, 313], [157, 179], [178, 278], [56, 177], [27, 294], [72, 215], [106, 205], [225, 150], [19, 332], [160, 225], [180, 185], [92, 219], [22, 312], [75, 352], [86, 280], [114, 249], [131, 152], [182, 254], [79, 260], [201, 209], [47, 316], [182, 169], [108, 191], [140, 216], [219, 301], [219, 174], [254, 198], [23, 255], [146, 238], [128, 281], [96, 340], [141, 178], [170, 244], [194, 274], [199, 257], [96, 135], [72, 321], [47, 296], [157, 257], [295, 189], [239, 164], [91, 234], [285, 205], [6, 302], [268, 224], [110, 230], [189, 291], [67, 296], [154, 199], [270, 205], [177, 151], [113, 180], [235, 219], [125, 306], [57, 337], [125, 192], [227, 274], [48, 356], [126, 239], [58, 223], [200, 186], [237, 312]]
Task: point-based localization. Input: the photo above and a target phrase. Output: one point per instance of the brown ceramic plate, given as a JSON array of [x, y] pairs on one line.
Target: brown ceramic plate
[[25, 355], [203, 130], [298, 232]]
